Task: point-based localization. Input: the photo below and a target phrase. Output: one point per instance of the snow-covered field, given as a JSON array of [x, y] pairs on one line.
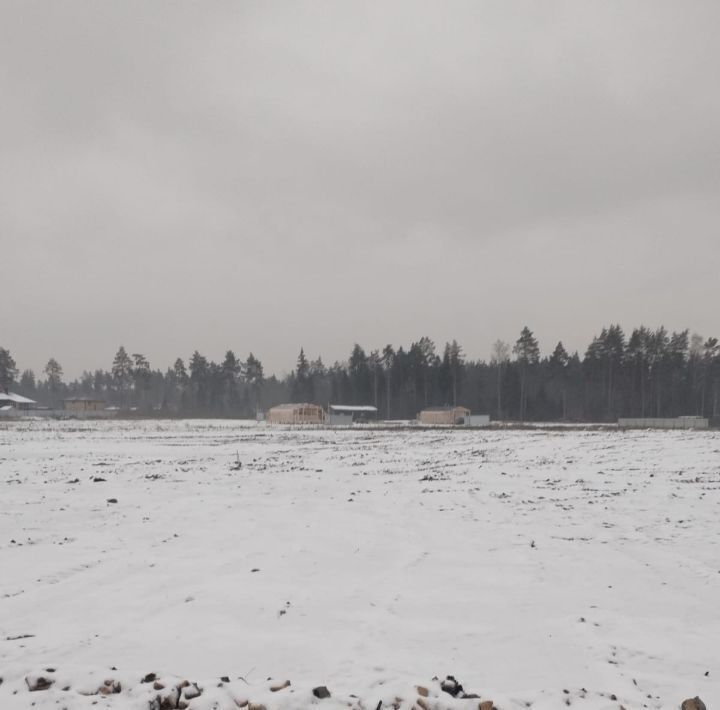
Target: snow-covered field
[[540, 568]]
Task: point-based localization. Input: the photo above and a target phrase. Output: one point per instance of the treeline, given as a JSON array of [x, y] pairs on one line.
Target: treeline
[[651, 373]]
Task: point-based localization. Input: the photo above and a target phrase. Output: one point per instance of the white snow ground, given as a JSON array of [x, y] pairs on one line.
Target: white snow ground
[[525, 563]]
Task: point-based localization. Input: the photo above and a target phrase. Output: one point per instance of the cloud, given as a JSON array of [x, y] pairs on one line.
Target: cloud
[[261, 175]]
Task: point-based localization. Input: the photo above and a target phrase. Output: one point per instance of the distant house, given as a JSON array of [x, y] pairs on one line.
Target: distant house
[[449, 416], [478, 420], [346, 414], [10, 400], [302, 413], [79, 405]]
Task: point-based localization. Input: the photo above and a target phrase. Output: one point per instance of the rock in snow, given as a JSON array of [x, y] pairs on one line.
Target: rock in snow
[[38, 682], [192, 691], [452, 687], [110, 687], [321, 692], [693, 704]]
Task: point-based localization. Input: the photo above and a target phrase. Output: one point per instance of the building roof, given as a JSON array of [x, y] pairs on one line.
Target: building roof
[[83, 399], [443, 409], [17, 398], [352, 408], [294, 405]]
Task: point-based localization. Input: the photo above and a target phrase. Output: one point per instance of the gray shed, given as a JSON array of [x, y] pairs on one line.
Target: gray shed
[[346, 414]]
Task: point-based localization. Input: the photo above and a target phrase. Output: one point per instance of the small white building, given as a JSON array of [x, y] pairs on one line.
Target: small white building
[[691, 422], [346, 414], [10, 400], [478, 420]]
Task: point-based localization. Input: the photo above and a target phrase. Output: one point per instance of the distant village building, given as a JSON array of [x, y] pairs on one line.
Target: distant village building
[[478, 420], [81, 405], [346, 414], [691, 422], [10, 400], [295, 414], [450, 416]]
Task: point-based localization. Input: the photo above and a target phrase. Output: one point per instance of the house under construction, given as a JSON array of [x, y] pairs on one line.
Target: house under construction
[[447, 416], [295, 414]]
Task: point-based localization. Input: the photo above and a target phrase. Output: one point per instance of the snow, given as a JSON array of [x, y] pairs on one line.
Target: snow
[[525, 563], [352, 408]]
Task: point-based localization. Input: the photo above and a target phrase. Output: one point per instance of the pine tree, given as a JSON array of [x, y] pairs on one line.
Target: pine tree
[[122, 369], [426, 358], [695, 356], [141, 377], [457, 368], [99, 380], [54, 374], [231, 373], [678, 355], [180, 372], [376, 369], [657, 352], [388, 360], [527, 354], [499, 358], [613, 354], [359, 373], [27, 383], [254, 377], [231, 368], [180, 385], [637, 354], [86, 383], [558, 364], [8, 370], [317, 368], [711, 362], [199, 381], [302, 390], [302, 369]]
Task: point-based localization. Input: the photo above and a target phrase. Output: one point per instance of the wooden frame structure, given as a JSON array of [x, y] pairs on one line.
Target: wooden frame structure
[[444, 416], [295, 413]]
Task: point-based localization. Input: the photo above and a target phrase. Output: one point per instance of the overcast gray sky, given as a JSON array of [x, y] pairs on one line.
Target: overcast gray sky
[[263, 176]]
